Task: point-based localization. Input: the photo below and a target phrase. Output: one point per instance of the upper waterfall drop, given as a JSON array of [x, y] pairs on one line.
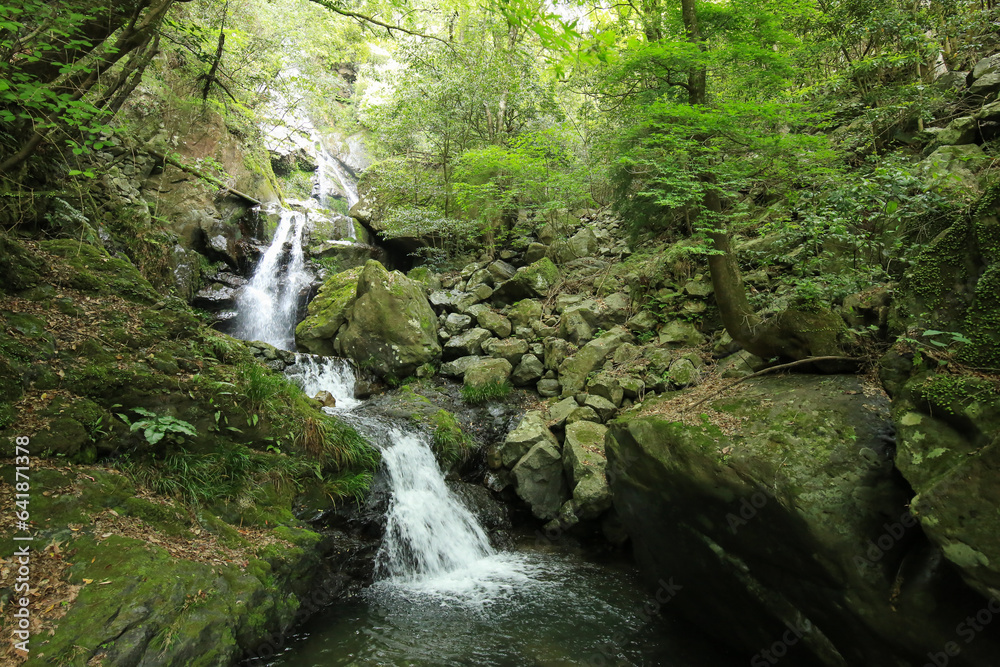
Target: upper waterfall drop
[[268, 305]]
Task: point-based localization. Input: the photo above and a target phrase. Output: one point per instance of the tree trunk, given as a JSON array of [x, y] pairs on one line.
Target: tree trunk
[[789, 335]]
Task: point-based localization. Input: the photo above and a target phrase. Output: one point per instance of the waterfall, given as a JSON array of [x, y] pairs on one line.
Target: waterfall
[[329, 164], [315, 374], [428, 532], [268, 305]]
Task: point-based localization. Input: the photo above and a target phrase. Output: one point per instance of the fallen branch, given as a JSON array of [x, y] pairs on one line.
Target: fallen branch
[[202, 175], [779, 367]]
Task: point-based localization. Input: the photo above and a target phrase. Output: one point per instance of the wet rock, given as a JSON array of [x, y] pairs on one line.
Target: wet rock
[[327, 313], [327, 399]]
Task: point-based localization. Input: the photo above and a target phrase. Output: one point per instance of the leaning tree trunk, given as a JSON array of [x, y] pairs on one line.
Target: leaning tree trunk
[[792, 334]]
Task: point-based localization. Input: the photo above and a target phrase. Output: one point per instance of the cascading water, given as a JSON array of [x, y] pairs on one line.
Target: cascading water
[[267, 306]]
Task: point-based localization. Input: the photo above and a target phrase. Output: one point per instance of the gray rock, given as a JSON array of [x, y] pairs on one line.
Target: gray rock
[[527, 371], [525, 312], [698, 287], [456, 323], [739, 365], [511, 349], [604, 408], [573, 371], [457, 368], [582, 413], [548, 388], [584, 463], [535, 252], [643, 321], [680, 334], [540, 482], [561, 410], [499, 325], [682, 373], [557, 351], [487, 371], [606, 386], [466, 344], [501, 271], [529, 432]]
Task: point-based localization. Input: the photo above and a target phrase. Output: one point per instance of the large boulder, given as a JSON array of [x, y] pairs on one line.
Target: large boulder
[[574, 370], [391, 329], [488, 371], [327, 313], [540, 482], [948, 431], [529, 282], [800, 522]]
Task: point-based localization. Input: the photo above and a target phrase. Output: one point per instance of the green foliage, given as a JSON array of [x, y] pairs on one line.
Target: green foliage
[[477, 394], [156, 427], [232, 472]]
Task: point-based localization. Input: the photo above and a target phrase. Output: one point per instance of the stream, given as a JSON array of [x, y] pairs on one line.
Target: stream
[[443, 594]]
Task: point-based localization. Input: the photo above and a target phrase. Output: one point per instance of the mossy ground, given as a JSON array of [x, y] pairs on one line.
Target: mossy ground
[[186, 548]]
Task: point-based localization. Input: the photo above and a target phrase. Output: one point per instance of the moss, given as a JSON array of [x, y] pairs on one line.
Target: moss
[[19, 269], [98, 273], [941, 265], [982, 322]]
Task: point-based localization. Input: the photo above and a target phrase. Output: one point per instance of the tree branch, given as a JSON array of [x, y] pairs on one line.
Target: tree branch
[[368, 19]]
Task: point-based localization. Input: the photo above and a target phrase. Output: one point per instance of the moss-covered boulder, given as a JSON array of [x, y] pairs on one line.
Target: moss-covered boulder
[[948, 428], [798, 520], [574, 370], [391, 328], [539, 480], [584, 462], [328, 312], [529, 282]]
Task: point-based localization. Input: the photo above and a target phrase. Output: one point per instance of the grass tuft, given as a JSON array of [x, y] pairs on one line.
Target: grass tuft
[[476, 394]]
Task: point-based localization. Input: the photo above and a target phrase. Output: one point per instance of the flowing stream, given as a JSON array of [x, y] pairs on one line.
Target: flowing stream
[[443, 595]]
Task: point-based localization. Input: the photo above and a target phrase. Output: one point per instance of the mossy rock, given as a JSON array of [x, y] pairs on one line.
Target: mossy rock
[[328, 312], [19, 269], [948, 433], [529, 282], [96, 272], [792, 503], [391, 329]]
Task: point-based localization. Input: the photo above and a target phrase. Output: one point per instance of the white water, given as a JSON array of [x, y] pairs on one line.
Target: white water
[[267, 306], [316, 374]]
